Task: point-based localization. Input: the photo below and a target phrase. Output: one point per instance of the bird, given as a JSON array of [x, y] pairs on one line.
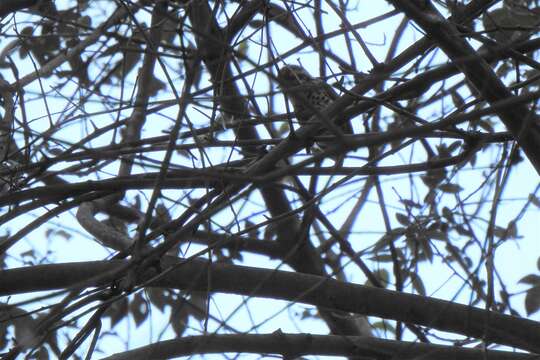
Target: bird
[[300, 87]]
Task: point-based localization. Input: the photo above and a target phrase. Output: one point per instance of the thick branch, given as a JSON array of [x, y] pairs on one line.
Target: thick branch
[[10, 6], [214, 49], [295, 345], [320, 291], [519, 120]]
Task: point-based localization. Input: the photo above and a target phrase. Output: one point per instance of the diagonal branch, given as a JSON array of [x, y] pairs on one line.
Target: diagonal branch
[[214, 49], [519, 120]]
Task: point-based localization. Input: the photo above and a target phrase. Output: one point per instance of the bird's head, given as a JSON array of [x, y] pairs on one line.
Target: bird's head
[[293, 75]]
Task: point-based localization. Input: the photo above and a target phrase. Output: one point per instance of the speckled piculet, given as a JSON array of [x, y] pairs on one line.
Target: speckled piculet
[[300, 86]]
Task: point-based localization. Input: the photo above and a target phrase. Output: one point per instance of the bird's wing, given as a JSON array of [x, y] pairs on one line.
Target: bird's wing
[[346, 126], [329, 90]]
